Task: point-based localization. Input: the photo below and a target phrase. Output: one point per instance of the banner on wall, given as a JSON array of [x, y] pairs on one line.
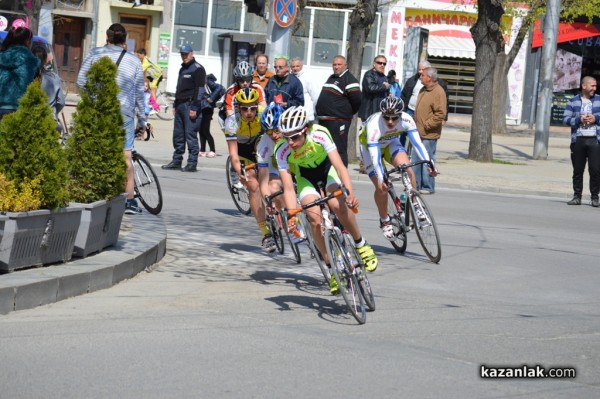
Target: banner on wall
[[164, 44], [394, 47]]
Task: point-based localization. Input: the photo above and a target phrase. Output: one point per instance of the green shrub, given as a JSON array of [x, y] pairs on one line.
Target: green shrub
[[30, 148], [25, 198], [97, 167]]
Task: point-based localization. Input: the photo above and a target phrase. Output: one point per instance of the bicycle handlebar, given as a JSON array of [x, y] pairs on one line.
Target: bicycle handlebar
[[403, 167], [342, 191]]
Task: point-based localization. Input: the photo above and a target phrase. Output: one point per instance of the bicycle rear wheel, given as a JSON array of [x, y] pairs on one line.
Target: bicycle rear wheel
[[165, 104], [395, 212], [343, 271], [146, 184], [361, 272], [426, 229], [240, 195], [314, 251]]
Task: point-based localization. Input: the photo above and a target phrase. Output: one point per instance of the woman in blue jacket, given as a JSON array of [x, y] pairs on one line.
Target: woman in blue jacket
[[18, 68]]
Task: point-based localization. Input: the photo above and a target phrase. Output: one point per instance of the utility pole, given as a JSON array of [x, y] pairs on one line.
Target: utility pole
[[542, 122]]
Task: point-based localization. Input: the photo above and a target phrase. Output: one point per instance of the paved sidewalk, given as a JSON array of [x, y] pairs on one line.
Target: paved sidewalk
[[143, 238]]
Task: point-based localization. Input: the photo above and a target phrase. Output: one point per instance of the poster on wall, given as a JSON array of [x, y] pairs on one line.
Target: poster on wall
[[164, 44], [567, 71]]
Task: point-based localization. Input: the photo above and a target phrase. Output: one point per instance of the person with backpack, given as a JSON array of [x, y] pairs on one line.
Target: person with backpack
[[214, 91], [152, 72]]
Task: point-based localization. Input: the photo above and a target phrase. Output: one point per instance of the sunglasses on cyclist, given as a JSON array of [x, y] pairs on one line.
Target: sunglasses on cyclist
[[271, 132], [295, 137], [246, 108], [391, 117]]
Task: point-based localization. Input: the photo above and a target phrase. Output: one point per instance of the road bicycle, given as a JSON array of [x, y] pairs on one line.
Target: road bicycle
[[146, 184], [239, 192], [346, 264], [278, 227], [165, 105], [409, 211]]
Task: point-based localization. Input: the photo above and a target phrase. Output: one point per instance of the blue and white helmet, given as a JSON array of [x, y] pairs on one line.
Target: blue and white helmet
[[270, 116]]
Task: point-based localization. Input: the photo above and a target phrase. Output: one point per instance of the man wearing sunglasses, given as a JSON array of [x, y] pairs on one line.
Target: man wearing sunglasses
[[242, 134], [284, 88], [314, 158], [379, 140], [374, 88]]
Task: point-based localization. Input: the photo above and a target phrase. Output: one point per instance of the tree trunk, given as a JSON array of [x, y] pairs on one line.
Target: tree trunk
[[499, 99], [33, 13], [488, 43], [361, 20]]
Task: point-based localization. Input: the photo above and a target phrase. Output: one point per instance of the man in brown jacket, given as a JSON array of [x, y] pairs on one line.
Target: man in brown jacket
[[430, 112]]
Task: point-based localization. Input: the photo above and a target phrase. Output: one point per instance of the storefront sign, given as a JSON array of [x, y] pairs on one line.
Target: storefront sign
[[566, 32], [3, 23], [394, 50]]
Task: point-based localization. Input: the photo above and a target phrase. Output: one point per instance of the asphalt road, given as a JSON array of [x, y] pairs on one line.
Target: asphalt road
[[517, 285]]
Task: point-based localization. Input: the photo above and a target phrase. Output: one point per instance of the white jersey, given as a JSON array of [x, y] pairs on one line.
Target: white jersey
[[265, 157], [376, 136]]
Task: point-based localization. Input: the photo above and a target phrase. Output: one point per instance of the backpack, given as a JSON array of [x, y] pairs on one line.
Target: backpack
[[153, 70]]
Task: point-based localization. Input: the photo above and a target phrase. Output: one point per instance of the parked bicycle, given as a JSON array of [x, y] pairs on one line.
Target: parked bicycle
[[147, 187], [165, 105], [409, 211], [346, 265]]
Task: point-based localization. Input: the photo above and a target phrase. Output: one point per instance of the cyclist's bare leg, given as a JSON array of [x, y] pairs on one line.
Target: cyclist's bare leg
[[380, 196], [314, 218], [275, 185], [256, 203], [129, 184]]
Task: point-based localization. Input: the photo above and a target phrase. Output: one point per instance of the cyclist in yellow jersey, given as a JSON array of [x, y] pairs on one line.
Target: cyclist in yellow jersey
[[315, 159], [242, 134]]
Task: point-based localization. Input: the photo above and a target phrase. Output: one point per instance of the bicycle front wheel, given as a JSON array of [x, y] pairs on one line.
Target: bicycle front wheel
[[426, 228], [293, 245], [165, 105], [146, 184], [314, 251], [361, 272], [395, 211], [276, 233], [239, 193], [343, 272]]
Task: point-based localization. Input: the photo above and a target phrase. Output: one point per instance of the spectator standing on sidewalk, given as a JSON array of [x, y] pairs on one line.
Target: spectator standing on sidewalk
[[130, 79], [395, 89], [283, 88], [339, 100], [51, 84], [582, 113], [310, 91], [262, 74], [18, 68], [214, 91], [430, 113], [187, 110], [374, 88], [413, 86]]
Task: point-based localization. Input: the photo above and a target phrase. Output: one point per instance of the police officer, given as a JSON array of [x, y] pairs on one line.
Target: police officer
[[187, 110]]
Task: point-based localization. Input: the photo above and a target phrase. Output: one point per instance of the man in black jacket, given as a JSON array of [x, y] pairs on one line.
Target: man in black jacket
[[339, 100], [413, 86], [374, 88], [188, 98]]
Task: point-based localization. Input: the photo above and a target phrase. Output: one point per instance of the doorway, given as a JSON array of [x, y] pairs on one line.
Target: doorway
[[67, 50], [138, 35]]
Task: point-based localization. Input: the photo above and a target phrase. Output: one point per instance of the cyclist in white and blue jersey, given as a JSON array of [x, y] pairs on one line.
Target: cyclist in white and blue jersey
[[379, 140]]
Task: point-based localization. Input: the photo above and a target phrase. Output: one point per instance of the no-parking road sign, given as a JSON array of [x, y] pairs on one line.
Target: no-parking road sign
[[284, 12]]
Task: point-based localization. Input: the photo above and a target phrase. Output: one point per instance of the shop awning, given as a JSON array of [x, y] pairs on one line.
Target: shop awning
[[566, 32], [448, 46]]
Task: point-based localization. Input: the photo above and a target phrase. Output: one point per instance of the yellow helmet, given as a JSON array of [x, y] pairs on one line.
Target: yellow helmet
[[247, 96]]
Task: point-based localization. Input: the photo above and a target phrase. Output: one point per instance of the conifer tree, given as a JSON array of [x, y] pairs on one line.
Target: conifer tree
[[97, 165], [30, 148]]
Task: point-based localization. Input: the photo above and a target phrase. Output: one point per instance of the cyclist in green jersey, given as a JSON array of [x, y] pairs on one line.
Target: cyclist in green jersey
[[314, 158]]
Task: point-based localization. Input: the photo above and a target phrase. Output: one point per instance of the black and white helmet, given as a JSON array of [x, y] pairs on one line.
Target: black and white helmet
[[391, 106], [243, 70], [292, 120]]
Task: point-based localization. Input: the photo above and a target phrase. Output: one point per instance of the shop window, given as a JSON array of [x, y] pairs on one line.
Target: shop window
[[191, 36], [329, 25], [255, 24], [298, 48], [227, 15], [192, 13], [323, 52], [304, 28]]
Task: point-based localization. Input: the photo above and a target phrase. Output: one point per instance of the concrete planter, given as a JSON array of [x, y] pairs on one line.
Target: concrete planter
[[37, 237], [100, 225]]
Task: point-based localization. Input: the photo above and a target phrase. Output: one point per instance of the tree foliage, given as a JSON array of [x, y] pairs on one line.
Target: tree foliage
[[30, 148], [97, 167]]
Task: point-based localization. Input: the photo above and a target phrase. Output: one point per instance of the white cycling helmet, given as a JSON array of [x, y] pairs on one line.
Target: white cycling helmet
[[391, 106], [292, 120], [243, 70]]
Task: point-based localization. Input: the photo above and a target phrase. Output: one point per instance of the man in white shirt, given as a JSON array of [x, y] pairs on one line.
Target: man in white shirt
[[311, 91]]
